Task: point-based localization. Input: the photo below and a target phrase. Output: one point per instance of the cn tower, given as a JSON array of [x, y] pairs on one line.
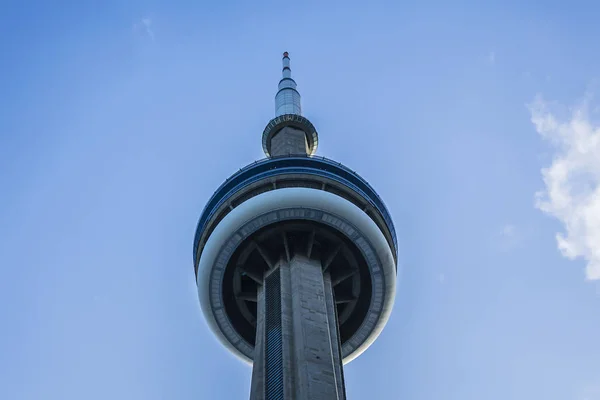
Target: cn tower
[[295, 260]]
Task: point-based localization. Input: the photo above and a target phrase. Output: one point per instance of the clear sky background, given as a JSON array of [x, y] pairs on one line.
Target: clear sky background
[[118, 120]]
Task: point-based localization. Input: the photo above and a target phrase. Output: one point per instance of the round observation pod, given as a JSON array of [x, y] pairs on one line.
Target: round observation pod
[[293, 121], [296, 205]]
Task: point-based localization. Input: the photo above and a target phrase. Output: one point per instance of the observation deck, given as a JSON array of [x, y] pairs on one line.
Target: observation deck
[[305, 205]]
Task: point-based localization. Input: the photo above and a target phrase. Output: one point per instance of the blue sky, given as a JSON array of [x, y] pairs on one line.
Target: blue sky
[[478, 127]]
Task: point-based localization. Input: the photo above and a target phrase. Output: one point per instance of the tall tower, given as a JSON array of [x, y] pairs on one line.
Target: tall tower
[[295, 261]]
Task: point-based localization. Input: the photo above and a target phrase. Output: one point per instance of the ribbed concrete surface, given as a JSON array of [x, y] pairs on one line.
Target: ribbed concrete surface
[[289, 141], [312, 365]]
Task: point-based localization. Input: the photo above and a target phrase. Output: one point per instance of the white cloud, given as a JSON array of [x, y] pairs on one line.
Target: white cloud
[[572, 180], [441, 278], [145, 25], [508, 230], [508, 237], [492, 57]]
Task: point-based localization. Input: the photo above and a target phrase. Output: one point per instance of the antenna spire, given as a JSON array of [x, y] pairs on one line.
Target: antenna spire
[[289, 133], [287, 99]]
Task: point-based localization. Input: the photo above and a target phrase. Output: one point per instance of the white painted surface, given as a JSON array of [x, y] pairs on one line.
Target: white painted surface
[[294, 198]]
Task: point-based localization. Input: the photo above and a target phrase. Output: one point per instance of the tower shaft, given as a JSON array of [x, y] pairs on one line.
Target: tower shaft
[[295, 261], [297, 353], [289, 141]]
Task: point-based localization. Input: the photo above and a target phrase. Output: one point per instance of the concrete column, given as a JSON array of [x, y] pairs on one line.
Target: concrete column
[[289, 141], [313, 328], [309, 349]]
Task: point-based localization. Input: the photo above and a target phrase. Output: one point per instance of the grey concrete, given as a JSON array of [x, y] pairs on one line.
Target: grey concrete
[[334, 336], [313, 325], [257, 391], [289, 141], [312, 362]]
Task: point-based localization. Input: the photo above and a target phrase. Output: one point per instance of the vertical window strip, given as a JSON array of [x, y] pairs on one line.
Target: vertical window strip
[[273, 337]]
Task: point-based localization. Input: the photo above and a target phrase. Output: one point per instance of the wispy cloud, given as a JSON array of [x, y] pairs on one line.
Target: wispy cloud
[[491, 58], [508, 230], [509, 237], [144, 25], [441, 278], [572, 181]]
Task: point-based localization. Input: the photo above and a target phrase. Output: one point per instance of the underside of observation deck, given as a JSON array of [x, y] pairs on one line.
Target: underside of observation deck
[[260, 253]]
